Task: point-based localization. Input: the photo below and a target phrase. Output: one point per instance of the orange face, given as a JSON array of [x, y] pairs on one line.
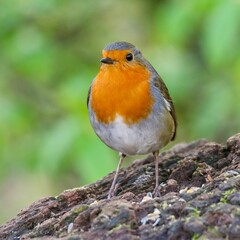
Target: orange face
[[121, 89]]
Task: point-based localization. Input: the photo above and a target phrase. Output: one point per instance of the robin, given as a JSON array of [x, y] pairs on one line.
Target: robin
[[129, 106]]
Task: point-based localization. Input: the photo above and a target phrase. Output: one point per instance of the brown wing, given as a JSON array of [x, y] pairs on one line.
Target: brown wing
[[88, 96], [158, 82]]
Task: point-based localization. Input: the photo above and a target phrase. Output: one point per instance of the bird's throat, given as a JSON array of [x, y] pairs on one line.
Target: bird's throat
[[122, 91]]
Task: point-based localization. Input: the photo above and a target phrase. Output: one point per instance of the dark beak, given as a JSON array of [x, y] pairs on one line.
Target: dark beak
[[107, 60]]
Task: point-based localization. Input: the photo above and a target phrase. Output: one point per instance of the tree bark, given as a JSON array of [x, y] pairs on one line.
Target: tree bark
[[200, 199]]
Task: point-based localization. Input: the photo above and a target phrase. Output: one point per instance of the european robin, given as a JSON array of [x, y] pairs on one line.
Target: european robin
[[129, 106]]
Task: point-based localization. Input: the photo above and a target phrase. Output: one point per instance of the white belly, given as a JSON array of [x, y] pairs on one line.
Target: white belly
[[145, 137]]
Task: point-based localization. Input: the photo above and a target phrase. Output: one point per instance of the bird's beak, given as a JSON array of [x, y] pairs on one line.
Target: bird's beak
[[107, 60]]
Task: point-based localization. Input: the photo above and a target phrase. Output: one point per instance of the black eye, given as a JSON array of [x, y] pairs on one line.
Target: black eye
[[129, 57]]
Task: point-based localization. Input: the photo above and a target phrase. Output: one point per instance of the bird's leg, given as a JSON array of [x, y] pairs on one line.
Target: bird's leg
[[112, 190], [156, 192]]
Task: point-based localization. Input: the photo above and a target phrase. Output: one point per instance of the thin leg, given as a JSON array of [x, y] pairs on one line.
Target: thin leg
[[156, 192], [112, 189]]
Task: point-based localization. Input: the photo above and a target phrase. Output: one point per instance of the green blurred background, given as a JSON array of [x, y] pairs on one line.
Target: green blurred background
[[49, 54]]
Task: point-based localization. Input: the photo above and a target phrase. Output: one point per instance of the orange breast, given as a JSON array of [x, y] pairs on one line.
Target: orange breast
[[122, 89]]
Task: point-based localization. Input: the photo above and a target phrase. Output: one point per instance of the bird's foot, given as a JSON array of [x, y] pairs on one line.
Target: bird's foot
[[156, 192], [112, 191]]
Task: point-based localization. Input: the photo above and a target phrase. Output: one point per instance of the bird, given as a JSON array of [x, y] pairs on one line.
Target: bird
[[129, 106]]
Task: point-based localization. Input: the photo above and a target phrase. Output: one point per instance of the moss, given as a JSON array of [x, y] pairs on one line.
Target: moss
[[119, 226], [80, 209], [74, 213], [226, 194], [164, 205], [196, 236], [196, 212]]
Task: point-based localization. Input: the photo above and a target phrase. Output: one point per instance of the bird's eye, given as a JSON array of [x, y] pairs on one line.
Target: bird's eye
[[129, 57]]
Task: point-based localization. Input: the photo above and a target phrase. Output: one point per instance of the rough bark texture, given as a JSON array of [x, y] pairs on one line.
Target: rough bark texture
[[200, 199]]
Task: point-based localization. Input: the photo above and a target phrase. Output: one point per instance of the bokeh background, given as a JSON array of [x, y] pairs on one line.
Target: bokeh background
[[49, 54]]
